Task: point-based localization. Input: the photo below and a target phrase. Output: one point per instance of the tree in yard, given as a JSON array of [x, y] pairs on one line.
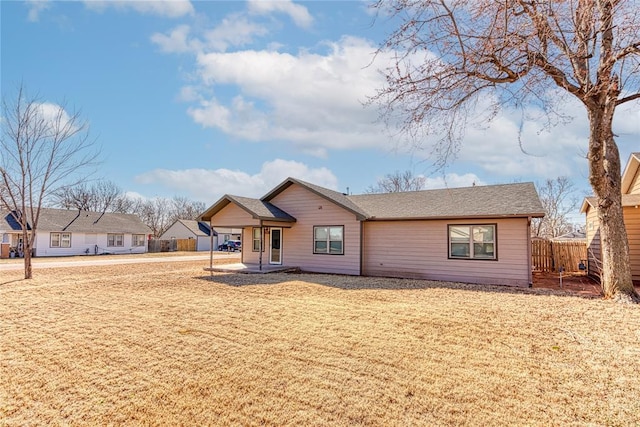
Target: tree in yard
[[159, 213], [43, 149], [101, 196], [558, 201], [457, 58], [397, 182]]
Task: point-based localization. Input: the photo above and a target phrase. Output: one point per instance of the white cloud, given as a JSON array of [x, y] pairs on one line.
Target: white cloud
[[298, 13], [234, 30], [511, 147], [177, 41], [167, 8], [35, 8], [209, 185], [54, 115], [452, 180], [311, 100]]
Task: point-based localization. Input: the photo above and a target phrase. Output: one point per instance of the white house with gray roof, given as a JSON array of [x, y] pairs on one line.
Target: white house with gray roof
[[62, 232], [478, 234], [200, 231]]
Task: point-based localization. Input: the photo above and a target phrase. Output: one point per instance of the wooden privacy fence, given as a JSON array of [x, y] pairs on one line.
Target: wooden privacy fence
[[548, 255], [172, 245]]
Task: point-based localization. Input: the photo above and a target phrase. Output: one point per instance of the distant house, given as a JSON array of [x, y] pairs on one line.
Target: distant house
[[572, 236], [64, 232], [201, 231], [477, 234], [630, 210]]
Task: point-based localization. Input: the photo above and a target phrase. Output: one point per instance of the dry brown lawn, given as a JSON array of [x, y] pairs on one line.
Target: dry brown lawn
[[167, 344]]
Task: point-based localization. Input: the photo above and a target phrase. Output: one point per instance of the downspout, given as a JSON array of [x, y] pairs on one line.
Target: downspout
[[529, 252], [261, 246]]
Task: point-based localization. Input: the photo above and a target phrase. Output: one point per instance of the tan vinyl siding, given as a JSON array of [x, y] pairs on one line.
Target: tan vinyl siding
[[232, 216], [632, 224], [312, 210], [420, 249], [635, 184], [594, 253], [248, 255]]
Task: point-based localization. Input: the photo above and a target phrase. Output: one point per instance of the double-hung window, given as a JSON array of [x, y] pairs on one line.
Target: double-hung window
[[137, 240], [115, 240], [328, 240], [473, 241], [256, 239], [60, 240]]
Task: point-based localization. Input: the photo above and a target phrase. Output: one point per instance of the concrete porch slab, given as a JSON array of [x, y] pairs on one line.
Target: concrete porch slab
[[251, 268]]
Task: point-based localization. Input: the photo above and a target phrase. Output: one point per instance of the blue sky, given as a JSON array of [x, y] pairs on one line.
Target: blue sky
[[205, 98]]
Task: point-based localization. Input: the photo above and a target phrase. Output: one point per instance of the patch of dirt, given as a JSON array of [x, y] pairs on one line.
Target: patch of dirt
[[579, 283]]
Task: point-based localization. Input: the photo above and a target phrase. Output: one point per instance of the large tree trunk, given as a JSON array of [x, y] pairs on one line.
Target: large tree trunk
[[604, 175], [26, 248]]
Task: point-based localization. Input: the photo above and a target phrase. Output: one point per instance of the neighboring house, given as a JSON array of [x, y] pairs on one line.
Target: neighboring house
[[477, 234], [201, 231], [64, 232], [572, 236], [630, 210]]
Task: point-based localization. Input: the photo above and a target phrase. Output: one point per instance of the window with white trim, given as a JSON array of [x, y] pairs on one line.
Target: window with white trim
[[137, 240], [60, 240], [328, 240], [473, 241], [115, 240], [256, 239]]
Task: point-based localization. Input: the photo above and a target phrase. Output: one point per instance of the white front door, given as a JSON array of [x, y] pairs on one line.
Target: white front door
[[275, 246]]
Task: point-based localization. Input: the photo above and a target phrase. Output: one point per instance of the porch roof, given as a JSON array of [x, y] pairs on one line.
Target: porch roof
[[258, 209]]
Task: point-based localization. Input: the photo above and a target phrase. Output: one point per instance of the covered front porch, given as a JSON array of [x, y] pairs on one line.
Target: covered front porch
[[262, 227]]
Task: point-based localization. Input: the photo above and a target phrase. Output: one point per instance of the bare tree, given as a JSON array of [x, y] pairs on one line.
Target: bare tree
[[558, 200], [44, 149], [457, 60], [156, 213], [397, 182], [183, 208], [101, 196]]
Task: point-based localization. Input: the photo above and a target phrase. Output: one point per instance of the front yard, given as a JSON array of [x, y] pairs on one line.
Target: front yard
[[167, 344]]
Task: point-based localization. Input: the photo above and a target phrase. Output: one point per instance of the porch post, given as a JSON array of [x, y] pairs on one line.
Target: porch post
[[211, 249], [261, 246]]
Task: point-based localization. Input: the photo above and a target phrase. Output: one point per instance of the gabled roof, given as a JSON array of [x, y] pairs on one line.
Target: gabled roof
[[631, 170], [508, 200], [336, 197], [83, 222], [8, 222], [627, 200], [257, 208], [197, 228]]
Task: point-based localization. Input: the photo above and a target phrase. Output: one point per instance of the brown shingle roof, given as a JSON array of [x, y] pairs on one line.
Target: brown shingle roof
[[508, 200], [479, 201], [257, 208]]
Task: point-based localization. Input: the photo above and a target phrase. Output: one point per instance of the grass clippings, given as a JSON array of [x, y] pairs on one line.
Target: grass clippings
[[168, 344]]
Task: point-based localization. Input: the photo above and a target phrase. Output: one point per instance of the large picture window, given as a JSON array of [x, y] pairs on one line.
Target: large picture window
[[328, 240], [115, 240], [60, 240], [472, 241]]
